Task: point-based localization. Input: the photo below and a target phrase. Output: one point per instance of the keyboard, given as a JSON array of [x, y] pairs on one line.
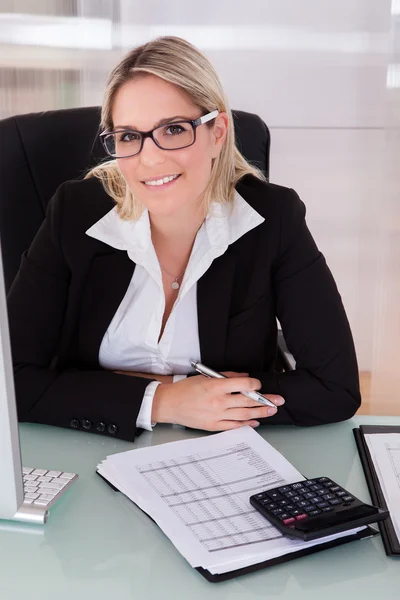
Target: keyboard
[[43, 488]]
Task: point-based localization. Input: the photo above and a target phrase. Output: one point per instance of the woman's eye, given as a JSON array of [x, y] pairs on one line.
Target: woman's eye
[[174, 129], [129, 136]]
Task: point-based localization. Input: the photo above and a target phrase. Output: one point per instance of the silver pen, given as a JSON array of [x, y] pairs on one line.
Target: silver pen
[[203, 370]]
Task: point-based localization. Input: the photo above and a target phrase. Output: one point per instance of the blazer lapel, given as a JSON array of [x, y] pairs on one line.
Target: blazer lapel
[[213, 300], [107, 281]]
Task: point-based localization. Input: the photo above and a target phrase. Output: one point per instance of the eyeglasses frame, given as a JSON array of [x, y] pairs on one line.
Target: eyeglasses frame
[[149, 134]]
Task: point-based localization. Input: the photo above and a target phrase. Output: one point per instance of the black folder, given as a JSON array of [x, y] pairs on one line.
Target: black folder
[[389, 537]]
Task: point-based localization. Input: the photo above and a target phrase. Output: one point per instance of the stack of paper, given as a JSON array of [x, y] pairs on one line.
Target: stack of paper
[[198, 492], [385, 453]]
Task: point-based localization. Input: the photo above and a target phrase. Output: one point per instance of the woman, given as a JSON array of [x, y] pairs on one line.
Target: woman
[[176, 249]]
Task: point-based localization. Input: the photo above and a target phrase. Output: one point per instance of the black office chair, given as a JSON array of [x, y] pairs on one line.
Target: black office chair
[[39, 151]]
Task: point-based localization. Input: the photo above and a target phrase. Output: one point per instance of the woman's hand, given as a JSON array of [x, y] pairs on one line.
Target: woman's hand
[[209, 404]]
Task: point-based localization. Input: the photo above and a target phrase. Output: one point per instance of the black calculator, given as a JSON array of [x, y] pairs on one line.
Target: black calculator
[[314, 508]]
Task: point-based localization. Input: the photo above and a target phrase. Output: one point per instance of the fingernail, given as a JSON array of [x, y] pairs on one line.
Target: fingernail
[[272, 411], [255, 424], [279, 401]]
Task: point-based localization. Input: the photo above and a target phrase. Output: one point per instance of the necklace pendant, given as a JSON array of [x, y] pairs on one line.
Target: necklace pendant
[[175, 285]]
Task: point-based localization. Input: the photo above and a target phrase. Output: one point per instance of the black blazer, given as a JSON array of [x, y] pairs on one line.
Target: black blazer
[[70, 285]]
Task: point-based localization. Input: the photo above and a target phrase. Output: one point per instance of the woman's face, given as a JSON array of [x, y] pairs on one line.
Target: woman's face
[[141, 104]]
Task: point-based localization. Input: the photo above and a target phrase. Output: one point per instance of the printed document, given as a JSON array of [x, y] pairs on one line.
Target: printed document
[[385, 453], [198, 493]]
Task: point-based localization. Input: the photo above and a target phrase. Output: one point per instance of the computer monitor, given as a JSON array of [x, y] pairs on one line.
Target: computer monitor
[[12, 495], [42, 487]]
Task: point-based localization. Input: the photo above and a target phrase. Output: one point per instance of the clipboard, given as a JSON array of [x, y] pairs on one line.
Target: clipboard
[[388, 533]]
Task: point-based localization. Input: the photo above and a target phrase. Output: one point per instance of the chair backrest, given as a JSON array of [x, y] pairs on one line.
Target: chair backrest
[[39, 151]]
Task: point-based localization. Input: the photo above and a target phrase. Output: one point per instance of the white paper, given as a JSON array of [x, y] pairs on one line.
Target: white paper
[[198, 492], [385, 453]]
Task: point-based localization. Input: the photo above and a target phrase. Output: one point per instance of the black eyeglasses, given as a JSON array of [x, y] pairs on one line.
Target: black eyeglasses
[[124, 143]]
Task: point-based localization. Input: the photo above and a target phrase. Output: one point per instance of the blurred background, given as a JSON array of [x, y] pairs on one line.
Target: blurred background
[[325, 77]]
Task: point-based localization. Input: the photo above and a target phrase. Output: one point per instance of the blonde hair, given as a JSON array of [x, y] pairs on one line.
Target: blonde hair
[[176, 61]]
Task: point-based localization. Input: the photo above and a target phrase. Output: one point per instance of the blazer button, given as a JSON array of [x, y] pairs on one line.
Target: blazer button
[[86, 424], [100, 426], [112, 429], [74, 423]]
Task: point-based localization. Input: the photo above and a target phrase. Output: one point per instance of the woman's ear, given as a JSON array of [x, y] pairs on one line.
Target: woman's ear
[[219, 132]]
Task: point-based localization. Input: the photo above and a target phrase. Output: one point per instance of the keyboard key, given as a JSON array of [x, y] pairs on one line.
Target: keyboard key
[[41, 502], [39, 472], [30, 489], [31, 495], [26, 470], [53, 473], [44, 479], [46, 490], [55, 486], [67, 475], [28, 500], [46, 497], [30, 477]]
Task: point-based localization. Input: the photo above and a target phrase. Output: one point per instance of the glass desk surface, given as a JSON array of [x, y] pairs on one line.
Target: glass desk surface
[[98, 544]]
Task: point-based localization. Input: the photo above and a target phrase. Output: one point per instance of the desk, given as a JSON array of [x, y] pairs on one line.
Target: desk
[[98, 545]]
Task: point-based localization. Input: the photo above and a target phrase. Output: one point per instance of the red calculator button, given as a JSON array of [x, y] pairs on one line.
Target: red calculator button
[[289, 520], [301, 517]]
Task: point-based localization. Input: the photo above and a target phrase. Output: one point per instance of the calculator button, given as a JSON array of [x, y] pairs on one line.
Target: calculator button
[[324, 480], [309, 482], [322, 504], [341, 493], [259, 496], [284, 516], [327, 509], [285, 488], [309, 508], [290, 494], [290, 507], [329, 496], [277, 511], [348, 499], [295, 486], [301, 517], [296, 499], [316, 487], [302, 491], [289, 520], [295, 512], [274, 495], [302, 504], [314, 513], [335, 502], [309, 495], [322, 492], [335, 488], [283, 502]]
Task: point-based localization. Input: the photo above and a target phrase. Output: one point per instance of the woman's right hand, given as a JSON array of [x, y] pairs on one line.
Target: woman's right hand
[[209, 404]]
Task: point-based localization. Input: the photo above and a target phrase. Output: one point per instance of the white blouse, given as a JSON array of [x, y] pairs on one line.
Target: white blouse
[[131, 340]]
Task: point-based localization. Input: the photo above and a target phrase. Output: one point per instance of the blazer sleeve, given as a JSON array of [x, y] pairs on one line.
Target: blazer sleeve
[[94, 400], [324, 387]]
